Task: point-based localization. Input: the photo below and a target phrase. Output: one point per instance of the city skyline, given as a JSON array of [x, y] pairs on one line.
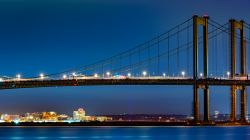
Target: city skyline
[[76, 36]]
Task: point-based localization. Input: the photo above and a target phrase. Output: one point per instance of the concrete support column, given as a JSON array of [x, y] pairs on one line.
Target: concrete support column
[[233, 70], [233, 104], [243, 105], [205, 62], [196, 112], [206, 105]]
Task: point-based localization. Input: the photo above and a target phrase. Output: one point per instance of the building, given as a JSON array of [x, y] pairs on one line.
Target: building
[[79, 115], [10, 118]]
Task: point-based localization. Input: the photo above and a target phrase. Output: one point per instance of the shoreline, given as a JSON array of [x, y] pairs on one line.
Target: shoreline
[[120, 124]]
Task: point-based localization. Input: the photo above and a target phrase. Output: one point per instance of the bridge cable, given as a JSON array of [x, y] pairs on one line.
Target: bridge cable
[[168, 55], [178, 55], [187, 55], [130, 51], [158, 55]]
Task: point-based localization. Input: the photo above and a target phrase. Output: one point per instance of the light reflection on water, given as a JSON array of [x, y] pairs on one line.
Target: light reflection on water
[[120, 133]]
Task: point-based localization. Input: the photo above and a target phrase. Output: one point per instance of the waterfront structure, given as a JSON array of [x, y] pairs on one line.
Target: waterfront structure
[[199, 78], [79, 115]]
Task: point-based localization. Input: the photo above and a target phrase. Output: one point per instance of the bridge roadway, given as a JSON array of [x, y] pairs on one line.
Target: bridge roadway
[[14, 84]]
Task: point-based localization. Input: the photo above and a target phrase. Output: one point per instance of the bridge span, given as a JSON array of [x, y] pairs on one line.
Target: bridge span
[[126, 81]]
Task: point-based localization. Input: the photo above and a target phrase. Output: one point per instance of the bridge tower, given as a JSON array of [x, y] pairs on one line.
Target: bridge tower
[[203, 21], [234, 25]]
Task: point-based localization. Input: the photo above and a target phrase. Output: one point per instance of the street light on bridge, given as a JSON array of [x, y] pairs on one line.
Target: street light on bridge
[[164, 74], [95, 75], [129, 75], [183, 74], [64, 76], [228, 74], [74, 74], [42, 76], [144, 73], [108, 73], [18, 76]]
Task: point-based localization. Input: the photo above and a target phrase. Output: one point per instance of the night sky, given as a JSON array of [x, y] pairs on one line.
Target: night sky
[[50, 36]]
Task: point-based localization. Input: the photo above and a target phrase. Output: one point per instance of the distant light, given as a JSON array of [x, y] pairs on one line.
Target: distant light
[[1, 79], [16, 121], [183, 73], [108, 73], [228, 74], [18, 76], [95, 75], [129, 74], [144, 73], [201, 74], [74, 74], [164, 74], [42, 76], [64, 76]]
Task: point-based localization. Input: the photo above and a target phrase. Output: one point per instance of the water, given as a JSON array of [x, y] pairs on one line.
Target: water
[[125, 133]]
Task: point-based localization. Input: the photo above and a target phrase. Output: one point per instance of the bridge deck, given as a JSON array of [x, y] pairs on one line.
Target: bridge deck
[[99, 82]]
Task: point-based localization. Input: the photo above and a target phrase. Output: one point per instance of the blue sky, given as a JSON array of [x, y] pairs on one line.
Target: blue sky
[[51, 36]]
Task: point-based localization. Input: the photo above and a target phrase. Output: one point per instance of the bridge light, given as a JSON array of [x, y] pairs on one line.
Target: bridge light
[[144, 73], [108, 73], [183, 73], [64, 76], [201, 74], [74, 74], [164, 74], [228, 74], [95, 75], [18, 76], [129, 74], [42, 76]]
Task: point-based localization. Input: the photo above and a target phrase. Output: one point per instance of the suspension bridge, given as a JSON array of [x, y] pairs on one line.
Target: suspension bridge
[[199, 52]]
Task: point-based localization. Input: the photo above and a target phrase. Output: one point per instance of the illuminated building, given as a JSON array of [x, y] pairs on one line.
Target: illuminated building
[[10, 118], [79, 115], [49, 117]]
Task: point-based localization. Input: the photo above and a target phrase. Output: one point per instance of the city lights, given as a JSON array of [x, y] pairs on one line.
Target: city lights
[[51, 116]]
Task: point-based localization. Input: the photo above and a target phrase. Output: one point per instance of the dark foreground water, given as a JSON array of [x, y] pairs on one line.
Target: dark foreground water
[[130, 133]]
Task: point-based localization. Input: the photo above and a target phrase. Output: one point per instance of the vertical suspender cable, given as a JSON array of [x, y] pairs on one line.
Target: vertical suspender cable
[[158, 55], [130, 67], [187, 55], [216, 54], [178, 55], [149, 60], [168, 54]]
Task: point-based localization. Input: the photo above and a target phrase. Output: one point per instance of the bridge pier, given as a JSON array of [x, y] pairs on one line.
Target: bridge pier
[[196, 104], [234, 25], [233, 114], [204, 22], [206, 105], [243, 105]]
